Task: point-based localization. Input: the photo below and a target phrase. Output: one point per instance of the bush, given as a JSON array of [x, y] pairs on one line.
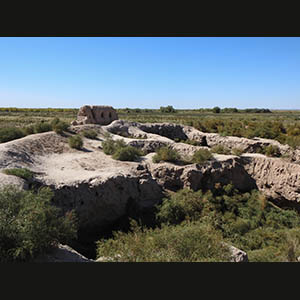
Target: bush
[[120, 151], [201, 156], [42, 127], [127, 153], [220, 149], [20, 172], [237, 151], [10, 133], [272, 151], [185, 204], [59, 126], [30, 224], [75, 141], [166, 154], [167, 109], [90, 134], [29, 130], [216, 110], [189, 242]]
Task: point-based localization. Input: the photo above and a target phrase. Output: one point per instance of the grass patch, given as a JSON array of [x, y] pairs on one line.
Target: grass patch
[[120, 151], [272, 151], [166, 154], [220, 149], [90, 133], [20, 172], [59, 126], [237, 151], [75, 142], [11, 133], [201, 156]]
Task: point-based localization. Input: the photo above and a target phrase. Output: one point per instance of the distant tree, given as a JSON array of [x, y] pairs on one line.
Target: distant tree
[[167, 109], [216, 110]]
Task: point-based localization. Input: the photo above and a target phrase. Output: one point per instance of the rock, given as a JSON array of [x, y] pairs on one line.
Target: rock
[[61, 253], [237, 255], [102, 115]]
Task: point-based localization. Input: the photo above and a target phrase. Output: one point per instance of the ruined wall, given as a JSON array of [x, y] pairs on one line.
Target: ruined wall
[[102, 115]]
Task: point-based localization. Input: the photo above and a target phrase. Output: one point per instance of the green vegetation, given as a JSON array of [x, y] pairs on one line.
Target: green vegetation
[[216, 110], [189, 142], [42, 127], [181, 243], [120, 151], [195, 226], [283, 126], [8, 134], [89, 133], [59, 126], [166, 154], [167, 109], [272, 151], [201, 156], [20, 172], [30, 224], [127, 153], [75, 142], [237, 151], [220, 149]]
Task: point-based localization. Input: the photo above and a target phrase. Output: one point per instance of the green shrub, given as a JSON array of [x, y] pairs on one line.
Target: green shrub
[[191, 142], [220, 149], [42, 127], [30, 224], [166, 154], [20, 172], [120, 151], [29, 130], [201, 156], [216, 110], [59, 126], [10, 133], [75, 141], [127, 153], [188, 242], [272, 151], [109, 146], [90, 134], [237, 151], [185, 204]]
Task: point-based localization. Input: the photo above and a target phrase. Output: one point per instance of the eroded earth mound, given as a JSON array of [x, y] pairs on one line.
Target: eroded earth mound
[[101, 190]]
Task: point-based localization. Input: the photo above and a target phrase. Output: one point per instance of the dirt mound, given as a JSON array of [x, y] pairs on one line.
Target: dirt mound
[[101, 189]]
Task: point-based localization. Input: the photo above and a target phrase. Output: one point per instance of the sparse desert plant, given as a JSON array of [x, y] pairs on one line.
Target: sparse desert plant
[[201, 156], [237, 151], [120, 151], [20, 172], [109, 146], [59, 126], [42, 127], [220, 149], [90, 133], [10, 133], [166, 154], [127, 153], [30, 224], [272, 150], [75, 141], [29, 130]]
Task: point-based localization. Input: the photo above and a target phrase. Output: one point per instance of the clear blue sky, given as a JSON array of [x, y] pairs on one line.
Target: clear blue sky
[[149, 72]]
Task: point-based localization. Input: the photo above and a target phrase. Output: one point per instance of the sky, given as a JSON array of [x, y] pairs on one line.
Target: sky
[[149, 72]]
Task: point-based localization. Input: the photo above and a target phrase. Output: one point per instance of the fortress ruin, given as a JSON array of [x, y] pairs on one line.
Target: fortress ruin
[[95, 114]]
